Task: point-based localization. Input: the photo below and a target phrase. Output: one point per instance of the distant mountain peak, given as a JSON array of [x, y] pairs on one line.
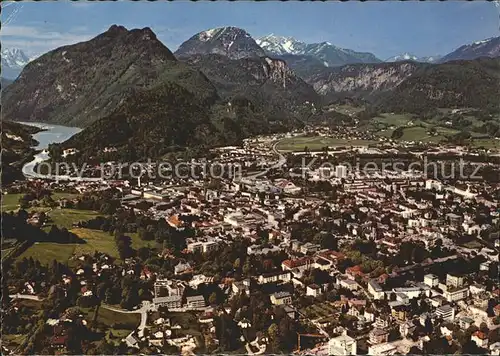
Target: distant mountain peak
[[13, 61], [229, 41], [280, 45], [489, 47], [403, 57], [117, 29], [329, 54]]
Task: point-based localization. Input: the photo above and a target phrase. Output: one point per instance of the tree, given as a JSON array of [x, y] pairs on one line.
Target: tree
[[246, 267], [397, 133], [143, 253], [275, 337], [213, 298]]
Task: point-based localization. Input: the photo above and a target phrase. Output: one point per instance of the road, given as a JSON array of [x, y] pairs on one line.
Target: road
[[278, 164], [26, 296]]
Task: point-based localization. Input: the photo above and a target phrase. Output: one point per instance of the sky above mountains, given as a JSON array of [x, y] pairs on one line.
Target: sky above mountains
[[385, 29]]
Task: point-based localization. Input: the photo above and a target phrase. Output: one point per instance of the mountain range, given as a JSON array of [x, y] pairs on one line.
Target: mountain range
[[127, 82], [221, 85], [329, 54], [411, 57]]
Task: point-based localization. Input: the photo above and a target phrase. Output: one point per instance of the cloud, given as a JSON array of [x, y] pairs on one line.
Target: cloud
[[36, 40]]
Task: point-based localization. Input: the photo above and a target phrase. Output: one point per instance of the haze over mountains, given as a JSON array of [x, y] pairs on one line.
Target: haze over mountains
[[221, 85]]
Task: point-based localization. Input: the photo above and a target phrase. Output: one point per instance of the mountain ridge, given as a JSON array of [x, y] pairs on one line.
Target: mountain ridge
[[489, 47], [13, 61], [328, 53]]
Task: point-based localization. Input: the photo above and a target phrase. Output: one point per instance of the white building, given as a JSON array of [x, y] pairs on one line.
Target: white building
[[341, 171], [446, 312], [313, 290], [375, 290], [431, 280], [342, 345], [454, 281], [382, 349], [455, 294], [349, 284], [414, 292]]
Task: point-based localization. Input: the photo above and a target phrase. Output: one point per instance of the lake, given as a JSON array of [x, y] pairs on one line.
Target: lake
[[52, 134]]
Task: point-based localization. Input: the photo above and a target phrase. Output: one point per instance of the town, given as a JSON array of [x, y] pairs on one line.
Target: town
[[297, 253]]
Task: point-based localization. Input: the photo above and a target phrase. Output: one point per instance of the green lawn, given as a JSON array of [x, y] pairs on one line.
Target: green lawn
[[348, 109], [96, 240], [316, 143], [61, 195], [394, 119], [13, 340], [46, 252], [418, 133], [117, 335], [104, 242], [109, 318], [488, 143], [66, 217], [10, 201]]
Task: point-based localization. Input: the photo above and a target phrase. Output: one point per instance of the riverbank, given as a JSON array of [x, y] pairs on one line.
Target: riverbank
[[49, 134]]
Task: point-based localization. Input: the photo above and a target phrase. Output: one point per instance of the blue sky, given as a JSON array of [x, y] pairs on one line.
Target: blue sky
[[383, 28]]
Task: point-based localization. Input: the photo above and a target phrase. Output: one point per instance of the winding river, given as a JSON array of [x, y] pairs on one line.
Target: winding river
[[51, 134]]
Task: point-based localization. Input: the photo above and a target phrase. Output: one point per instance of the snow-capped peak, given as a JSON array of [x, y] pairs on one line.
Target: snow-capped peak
[[483, 41], [411, 57], [14, 58], [208, 34], [403, 57], [280, 45], [213, 33]]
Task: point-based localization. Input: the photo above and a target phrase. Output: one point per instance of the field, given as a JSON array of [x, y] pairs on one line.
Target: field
[[66, 217], [393, 119], [316, 143], [11, 201], [96, 240], [46, 252], [415, 129], [111, 319], [487, 143], [348, 109]]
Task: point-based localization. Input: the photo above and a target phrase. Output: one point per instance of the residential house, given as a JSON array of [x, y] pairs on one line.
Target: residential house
[[195, 302], [378, 336], [181, 268], [313, 290], [342, 345], [281, 298], [446, 312], [480, 338], [278, 276], [375, 289]]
